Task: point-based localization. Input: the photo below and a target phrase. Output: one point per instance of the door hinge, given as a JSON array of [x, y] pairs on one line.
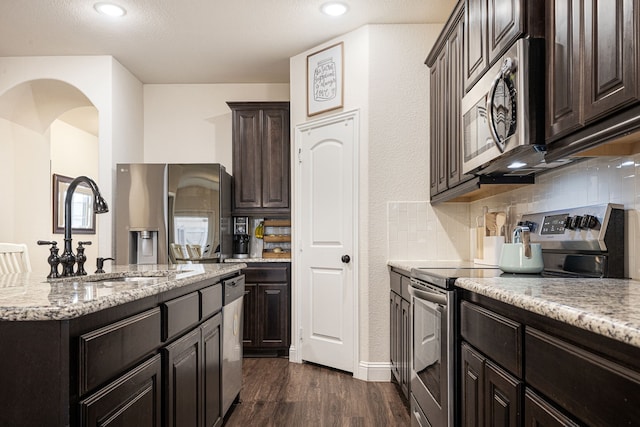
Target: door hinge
[[299, 155], [300, 335]]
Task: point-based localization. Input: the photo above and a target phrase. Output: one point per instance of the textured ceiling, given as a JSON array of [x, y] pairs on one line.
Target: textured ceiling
[[196, 41]]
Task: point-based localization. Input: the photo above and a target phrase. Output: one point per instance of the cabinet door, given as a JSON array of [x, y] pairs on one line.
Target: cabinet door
[[540, 413], [472, 404], [273, 320], [405, 343], [132, 400], [394, 346], [454, 125], [502, 405], [247, 159], [442, 124], [610, 56], [275, 158], [564, 73], [504, 25], [475, 48], [211, 357], [435, 110], [250, 317], [184, 381]]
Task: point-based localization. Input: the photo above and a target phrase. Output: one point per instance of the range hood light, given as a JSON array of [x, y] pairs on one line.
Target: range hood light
[[516, 165]]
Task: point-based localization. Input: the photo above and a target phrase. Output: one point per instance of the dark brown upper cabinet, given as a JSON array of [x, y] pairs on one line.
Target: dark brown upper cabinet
[[592, 62], [492, 27], [261, 158], [445, 61]]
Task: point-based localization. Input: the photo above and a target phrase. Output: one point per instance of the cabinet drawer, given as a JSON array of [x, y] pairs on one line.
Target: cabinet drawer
[[496, 336], [271, 274], [396, 282], [133, 399], [108, 351], [595, 390], [210, 300], [180, 314]]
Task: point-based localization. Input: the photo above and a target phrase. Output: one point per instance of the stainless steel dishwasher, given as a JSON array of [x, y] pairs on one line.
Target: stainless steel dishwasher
[[231, 340]]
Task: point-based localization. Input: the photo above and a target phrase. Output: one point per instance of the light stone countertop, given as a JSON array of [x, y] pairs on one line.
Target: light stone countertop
[[250, 260], [26, 296], [609, 307]]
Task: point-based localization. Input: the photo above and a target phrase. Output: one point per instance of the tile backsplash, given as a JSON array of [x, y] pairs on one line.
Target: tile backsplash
[[588, 182], [418, 231]]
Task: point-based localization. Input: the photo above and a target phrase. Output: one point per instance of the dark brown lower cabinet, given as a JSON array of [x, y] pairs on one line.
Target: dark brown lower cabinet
[[134, 399], [539, 412], [212, 361], [472, 387], [267, 311], [192, 371], [490, 395], [517, 367], [400, 330]]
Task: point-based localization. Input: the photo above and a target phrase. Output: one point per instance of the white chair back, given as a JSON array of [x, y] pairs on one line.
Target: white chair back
[[14, 258]]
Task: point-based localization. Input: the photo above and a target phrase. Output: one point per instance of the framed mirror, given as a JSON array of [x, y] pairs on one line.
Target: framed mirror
[[83, 218]]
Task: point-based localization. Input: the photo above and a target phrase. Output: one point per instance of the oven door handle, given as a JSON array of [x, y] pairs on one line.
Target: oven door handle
[[433, 297]]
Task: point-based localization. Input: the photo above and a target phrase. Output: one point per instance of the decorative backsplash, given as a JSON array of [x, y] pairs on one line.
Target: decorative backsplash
[[589, 182], [419, 231]]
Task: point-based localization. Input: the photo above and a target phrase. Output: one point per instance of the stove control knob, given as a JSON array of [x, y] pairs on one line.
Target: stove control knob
[[589, 221], [567, 223], [575, 222]]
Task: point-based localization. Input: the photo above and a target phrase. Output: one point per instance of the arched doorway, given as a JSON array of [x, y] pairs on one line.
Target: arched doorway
[[47, 127]]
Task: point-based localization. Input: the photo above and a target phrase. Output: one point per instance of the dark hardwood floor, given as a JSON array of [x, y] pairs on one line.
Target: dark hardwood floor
[[278, 393]]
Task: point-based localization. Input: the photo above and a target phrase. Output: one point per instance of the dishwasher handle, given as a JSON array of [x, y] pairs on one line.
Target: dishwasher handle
[[233, 289], [434, 297]]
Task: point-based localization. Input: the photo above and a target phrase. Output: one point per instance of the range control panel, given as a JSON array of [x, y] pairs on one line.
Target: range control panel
[[557, 224], [576, 228]]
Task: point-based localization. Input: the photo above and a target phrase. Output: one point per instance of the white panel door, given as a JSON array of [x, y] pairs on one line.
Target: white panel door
[[326, 229]]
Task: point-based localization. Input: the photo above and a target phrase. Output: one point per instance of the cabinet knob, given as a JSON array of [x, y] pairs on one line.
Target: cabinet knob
[[346, 259]]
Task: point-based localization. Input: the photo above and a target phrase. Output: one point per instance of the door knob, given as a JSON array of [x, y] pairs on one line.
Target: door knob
[[346, 259]]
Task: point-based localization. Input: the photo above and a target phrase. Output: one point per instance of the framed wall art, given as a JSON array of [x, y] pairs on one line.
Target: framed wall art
[[325, 75], [83, 218]]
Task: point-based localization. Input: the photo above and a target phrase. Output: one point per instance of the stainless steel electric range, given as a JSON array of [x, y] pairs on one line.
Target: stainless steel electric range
[[578, 242]]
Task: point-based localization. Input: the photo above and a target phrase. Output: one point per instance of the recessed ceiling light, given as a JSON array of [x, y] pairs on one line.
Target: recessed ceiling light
[[334, 9], [110, 9]]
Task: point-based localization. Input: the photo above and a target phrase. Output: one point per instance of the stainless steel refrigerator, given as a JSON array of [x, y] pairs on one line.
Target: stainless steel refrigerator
[[172, 213]]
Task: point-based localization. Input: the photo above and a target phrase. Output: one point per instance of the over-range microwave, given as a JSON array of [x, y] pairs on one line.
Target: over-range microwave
[[503, 114]]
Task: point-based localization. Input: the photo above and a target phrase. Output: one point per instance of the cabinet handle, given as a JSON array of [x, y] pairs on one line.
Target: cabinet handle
[[346, 259]]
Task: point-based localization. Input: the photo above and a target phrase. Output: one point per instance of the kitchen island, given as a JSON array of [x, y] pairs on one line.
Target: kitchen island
[[114, 348]]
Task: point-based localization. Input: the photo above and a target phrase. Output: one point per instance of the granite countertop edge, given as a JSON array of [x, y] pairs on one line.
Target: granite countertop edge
[[601, 320], [251, 260], [33, 298]]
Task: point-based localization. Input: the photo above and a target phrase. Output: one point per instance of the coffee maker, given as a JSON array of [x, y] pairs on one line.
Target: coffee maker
[[241, 237]]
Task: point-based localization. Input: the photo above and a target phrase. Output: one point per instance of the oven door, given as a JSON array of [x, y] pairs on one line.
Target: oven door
[[430, 347]]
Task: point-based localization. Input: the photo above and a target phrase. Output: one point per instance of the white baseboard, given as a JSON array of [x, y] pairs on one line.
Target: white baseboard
[[374, 371], [293, 355]]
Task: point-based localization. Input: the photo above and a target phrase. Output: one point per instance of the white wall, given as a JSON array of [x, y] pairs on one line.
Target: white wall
[[26, 195], [108, 86], [386, 79], [191, 123]]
